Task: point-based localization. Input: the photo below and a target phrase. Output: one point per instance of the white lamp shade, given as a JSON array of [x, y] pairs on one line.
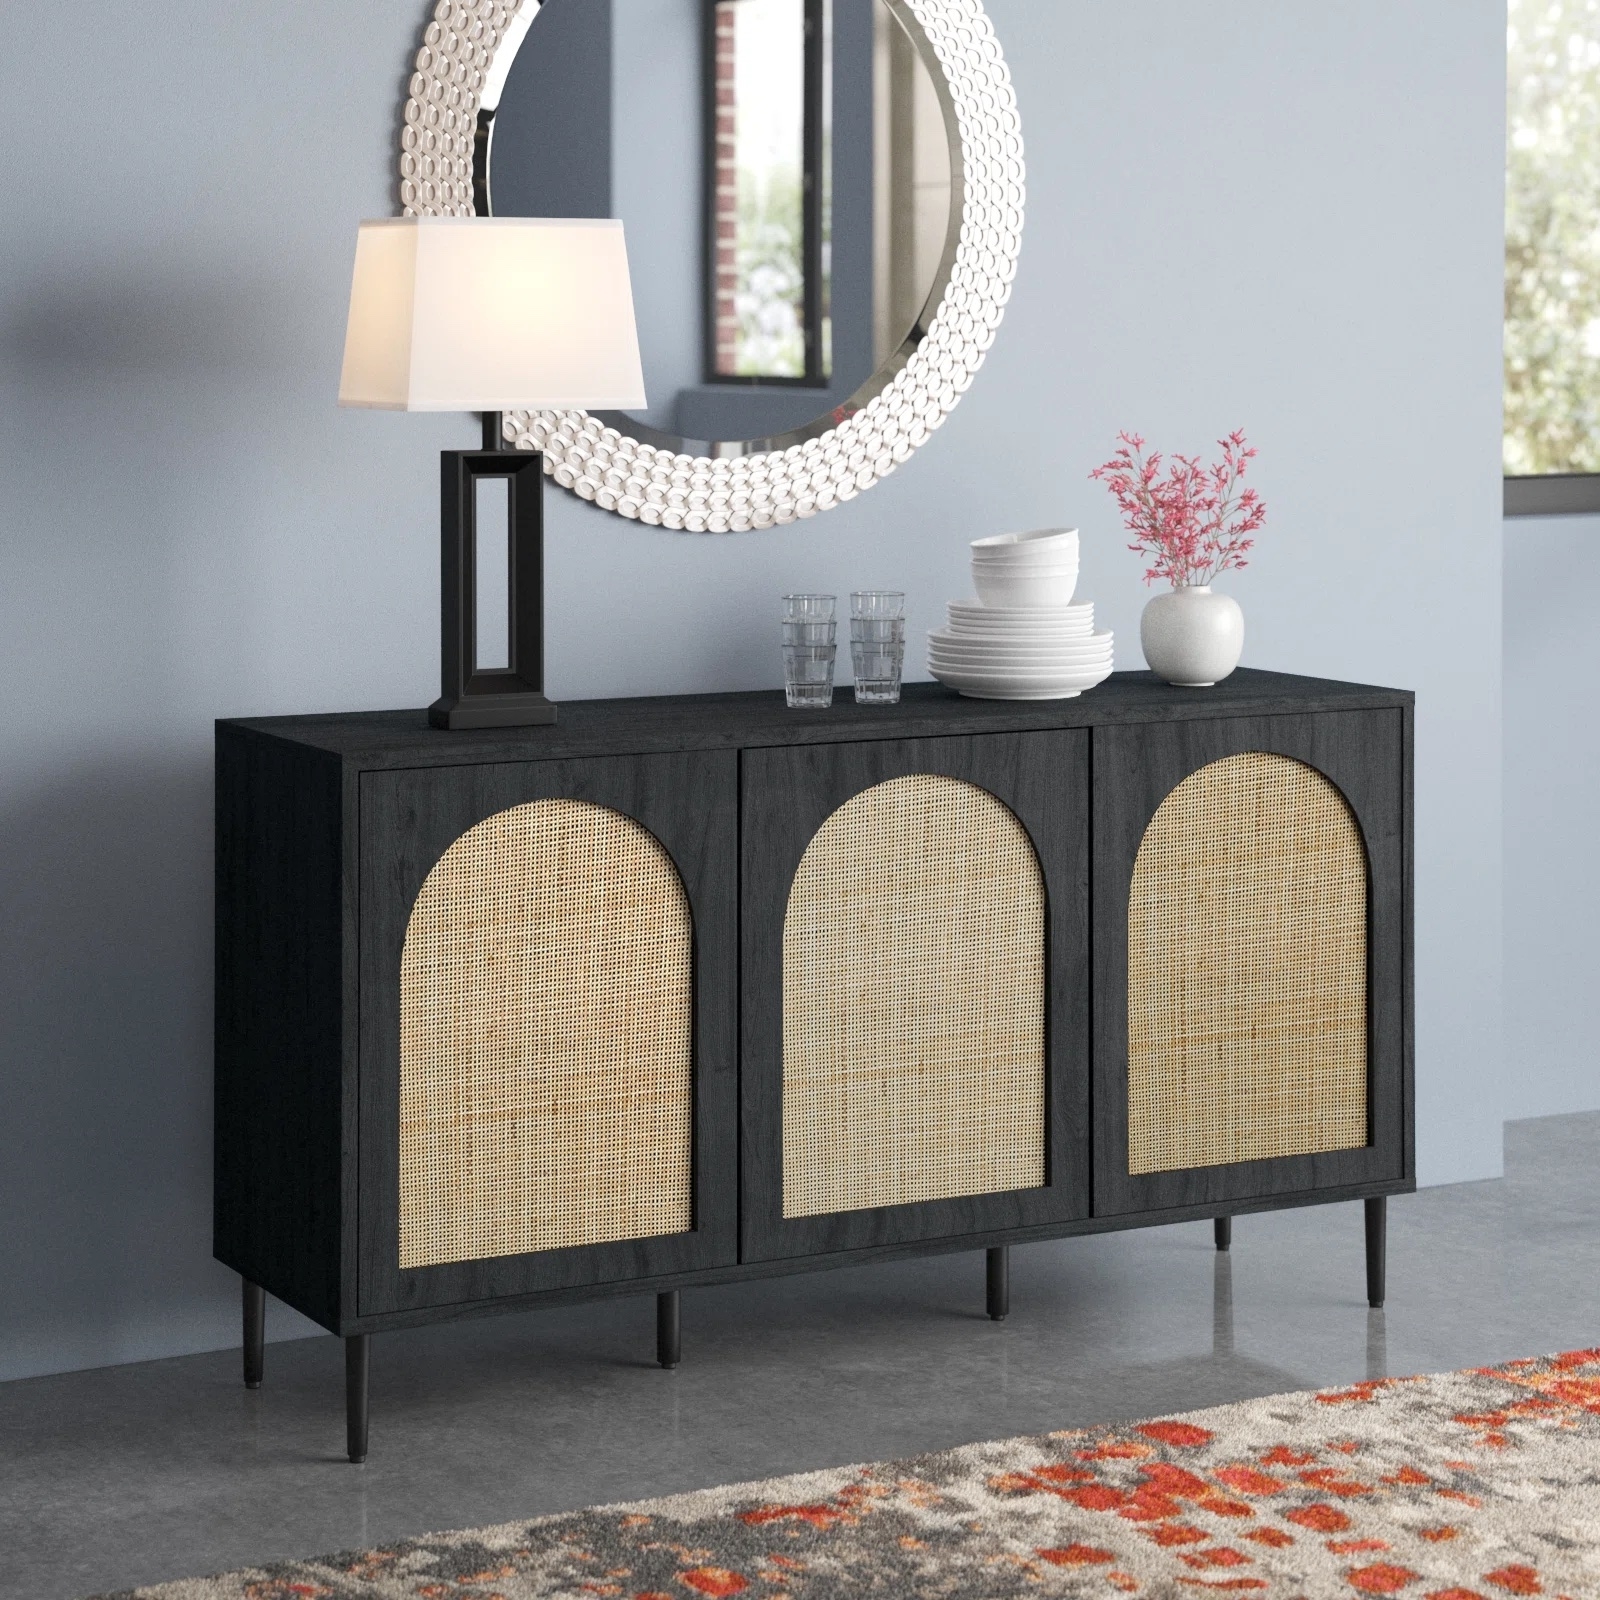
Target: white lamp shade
[[491, 314]]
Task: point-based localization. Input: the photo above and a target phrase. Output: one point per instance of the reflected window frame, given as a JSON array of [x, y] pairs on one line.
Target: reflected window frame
[[814, 197]]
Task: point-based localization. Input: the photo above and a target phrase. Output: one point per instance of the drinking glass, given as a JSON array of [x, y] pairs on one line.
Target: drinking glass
[[877, 644], [809, 607], [809, 650]]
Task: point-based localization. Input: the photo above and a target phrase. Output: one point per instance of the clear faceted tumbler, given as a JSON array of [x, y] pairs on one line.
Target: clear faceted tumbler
[[877, 644], [810, 648]]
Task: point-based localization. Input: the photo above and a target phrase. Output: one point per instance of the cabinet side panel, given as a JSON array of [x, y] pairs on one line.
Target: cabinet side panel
[[276, 1216]]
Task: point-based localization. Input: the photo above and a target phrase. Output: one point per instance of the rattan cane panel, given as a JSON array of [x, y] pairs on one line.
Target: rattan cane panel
[[913, 1003], [1247, 970], [545, 1040]]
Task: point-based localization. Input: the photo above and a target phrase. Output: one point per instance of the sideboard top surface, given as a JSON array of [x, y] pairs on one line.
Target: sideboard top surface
[[371, 740]]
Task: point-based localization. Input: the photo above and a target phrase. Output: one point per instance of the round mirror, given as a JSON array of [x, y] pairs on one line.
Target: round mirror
[[823, 204]]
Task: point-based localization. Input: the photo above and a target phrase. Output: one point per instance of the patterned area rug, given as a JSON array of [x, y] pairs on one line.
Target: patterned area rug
[[1470, 1486]]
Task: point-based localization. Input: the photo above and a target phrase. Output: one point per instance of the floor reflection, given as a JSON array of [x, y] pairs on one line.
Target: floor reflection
[[1222, 1305], [1377, 1345]]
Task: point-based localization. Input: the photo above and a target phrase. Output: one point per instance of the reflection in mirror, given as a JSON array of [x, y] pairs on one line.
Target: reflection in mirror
[[789, 176], [911, 206], [766, 173]]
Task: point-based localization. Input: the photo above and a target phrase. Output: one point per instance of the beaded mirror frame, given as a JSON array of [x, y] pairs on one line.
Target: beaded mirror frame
[[454, 89]]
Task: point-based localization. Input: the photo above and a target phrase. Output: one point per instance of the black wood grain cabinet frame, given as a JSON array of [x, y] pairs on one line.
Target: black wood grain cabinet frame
[[327, 827]]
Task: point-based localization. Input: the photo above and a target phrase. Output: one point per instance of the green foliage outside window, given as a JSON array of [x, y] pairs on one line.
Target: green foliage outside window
[[1552, 295], [772, 279]]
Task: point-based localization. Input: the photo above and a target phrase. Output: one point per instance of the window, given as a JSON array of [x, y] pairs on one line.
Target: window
[[1552, 287], [768, 171]]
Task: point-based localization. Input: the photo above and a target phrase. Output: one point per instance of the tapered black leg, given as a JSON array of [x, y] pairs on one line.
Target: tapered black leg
[[1224, 1228], [357, 1360], [1377, 1231], [999, 1283], [669, 1330], [255, 1332]]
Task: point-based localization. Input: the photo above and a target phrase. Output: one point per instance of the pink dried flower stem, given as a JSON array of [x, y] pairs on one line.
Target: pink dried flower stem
[[1193, 524]]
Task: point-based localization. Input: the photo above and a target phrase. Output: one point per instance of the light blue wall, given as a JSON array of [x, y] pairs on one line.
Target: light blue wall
[[1552, 798], [1278, 216]]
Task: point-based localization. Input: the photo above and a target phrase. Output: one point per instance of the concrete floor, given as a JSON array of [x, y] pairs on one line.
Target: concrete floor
[[172, 1469]]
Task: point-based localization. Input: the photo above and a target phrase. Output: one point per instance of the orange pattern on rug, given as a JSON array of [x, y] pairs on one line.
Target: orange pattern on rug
[[1475, 1485]]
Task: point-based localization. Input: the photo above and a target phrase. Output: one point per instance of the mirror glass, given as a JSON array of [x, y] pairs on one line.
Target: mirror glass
[[788, 174]]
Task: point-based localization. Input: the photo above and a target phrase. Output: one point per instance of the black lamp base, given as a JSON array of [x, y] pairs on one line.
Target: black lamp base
[[492, 711], [510, 696]]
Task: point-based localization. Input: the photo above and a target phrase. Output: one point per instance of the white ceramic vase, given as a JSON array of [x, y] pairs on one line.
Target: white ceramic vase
[[1192, 637]]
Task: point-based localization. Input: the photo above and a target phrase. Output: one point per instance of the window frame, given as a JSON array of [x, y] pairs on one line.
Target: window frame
[[1553, 494], [813, 153]]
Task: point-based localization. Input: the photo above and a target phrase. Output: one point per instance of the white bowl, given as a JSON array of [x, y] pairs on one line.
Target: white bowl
[[1067, 558], [1063, 557], [1024, 569], [1024, 588], [995, 569], [1044, 545]]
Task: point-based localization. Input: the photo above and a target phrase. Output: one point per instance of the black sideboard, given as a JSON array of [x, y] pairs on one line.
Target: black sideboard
[[687, 990]]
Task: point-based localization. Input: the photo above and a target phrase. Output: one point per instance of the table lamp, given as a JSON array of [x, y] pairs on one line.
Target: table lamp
[[491, 315]]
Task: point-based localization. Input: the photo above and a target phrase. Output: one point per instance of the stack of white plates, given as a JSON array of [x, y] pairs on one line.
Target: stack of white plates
[[1024, 639]]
